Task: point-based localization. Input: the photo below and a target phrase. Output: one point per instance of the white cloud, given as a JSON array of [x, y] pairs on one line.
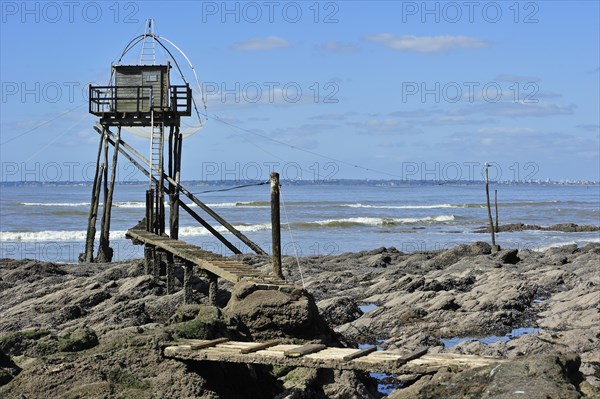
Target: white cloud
[[427, 44], [262, 43], [338, 47]]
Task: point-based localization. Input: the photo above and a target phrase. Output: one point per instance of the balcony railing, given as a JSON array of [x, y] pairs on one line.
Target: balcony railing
[[114, 100]]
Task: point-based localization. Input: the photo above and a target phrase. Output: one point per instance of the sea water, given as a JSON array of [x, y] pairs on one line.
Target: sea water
[[49, 222]]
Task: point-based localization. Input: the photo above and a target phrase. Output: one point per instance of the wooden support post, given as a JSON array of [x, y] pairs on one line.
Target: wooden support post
[[187, 282], [496, 206], [276, 225], [170, 273], [148, 259], [105, 252], [156, 263], [491, 222], [212, 288], [150, 210], [174, 157], [88, 255]]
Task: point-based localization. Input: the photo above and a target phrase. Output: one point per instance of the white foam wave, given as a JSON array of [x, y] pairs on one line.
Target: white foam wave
[[55, 203], [436, 206], [384, 221], [191, 231], [79, 235], [129, 204], [563, 243], [52, 235]]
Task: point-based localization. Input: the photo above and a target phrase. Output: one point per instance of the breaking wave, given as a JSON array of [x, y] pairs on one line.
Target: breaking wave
[[438, 206], [371, 221]]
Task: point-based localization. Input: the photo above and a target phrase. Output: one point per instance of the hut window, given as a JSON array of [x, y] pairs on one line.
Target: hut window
[[152, 78]]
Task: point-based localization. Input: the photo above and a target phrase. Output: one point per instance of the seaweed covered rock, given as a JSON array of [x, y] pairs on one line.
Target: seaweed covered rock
[[78, 340], [272, 311]]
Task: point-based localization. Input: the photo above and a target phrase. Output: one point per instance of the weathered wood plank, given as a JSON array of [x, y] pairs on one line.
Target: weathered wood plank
[[208, 344], [328, 358], [360, 353], [304, 350], [412, 355], [260, 346]]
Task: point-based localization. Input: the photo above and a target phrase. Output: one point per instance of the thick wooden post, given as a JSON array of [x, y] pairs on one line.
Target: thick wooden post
[[212, 288], [276, 225], [105, 252], [187, 282], [91, 232], [170, 273], [174, 165], [487, 194], [148, 259], [158, 255]]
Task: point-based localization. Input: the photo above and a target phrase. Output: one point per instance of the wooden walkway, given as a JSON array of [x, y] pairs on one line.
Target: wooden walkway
[[320, 356], [230, 270]]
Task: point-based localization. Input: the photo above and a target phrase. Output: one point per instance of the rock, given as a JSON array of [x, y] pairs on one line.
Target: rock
[[380, 260], [509, 256], [536, 377], [8, 369], [78, 340], [272, 313], [572, 228], [453, 255], [339, 310], [207, 324]]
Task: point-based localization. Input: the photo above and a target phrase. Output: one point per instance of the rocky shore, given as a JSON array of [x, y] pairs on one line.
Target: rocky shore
[[97, 330]]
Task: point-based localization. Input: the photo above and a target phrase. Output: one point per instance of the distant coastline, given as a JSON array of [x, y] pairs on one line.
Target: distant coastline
[[329, 182]]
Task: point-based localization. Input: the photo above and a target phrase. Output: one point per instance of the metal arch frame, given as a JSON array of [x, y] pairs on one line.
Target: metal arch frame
[[133, 42]]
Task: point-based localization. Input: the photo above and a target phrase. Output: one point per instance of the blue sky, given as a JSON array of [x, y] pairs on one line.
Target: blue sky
[[401, 89]]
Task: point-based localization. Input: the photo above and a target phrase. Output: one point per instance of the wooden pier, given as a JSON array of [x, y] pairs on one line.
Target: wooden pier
[[320, 356], [230, 270]]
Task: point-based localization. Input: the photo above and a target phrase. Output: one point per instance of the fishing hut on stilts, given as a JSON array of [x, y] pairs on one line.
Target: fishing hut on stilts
[[142, 98]]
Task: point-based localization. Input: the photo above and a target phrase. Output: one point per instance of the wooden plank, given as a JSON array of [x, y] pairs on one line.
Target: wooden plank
[[328, 358], [360, 353], [411, 356], [208, 344], [260, 346], [304, 350]]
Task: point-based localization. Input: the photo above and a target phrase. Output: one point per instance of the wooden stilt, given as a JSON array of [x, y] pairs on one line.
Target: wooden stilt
[[187, 282], [212, 288], [491, 222], [276, 225], [156, 264], [105, 252], [148, 259], [496, 206], [88, 255], [174, 192], [89, 251], [170, 273]]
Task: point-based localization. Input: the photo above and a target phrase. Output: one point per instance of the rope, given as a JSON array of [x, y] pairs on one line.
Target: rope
[[233, 188], [292, 238]]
